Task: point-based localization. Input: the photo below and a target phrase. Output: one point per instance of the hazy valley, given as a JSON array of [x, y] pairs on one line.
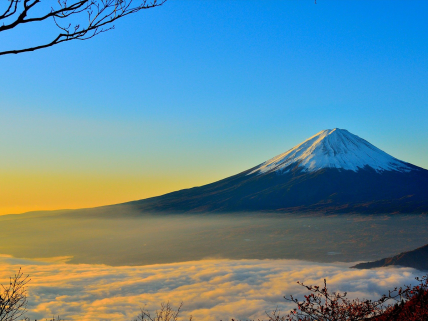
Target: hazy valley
[[126, 237]]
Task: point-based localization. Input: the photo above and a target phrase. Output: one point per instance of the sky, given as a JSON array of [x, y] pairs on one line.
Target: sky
[[195, 91]]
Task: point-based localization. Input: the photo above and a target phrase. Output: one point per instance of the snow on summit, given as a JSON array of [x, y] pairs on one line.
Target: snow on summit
[[334, 148]]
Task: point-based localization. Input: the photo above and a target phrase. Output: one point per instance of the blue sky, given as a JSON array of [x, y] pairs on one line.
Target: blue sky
[[195, 91]]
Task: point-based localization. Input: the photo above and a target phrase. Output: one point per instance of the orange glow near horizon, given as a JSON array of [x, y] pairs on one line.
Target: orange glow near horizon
[[25, 192]]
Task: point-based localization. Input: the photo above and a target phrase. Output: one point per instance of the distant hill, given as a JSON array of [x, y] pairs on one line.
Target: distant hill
[[417, 259], [333, 171]]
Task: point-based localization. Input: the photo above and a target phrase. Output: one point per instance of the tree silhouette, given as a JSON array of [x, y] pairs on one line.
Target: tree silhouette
[[74, 20], [13, 297], [321, 304]]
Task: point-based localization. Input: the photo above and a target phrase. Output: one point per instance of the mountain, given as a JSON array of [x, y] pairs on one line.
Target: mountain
[[417, 259], [333, 171], [334, 148]]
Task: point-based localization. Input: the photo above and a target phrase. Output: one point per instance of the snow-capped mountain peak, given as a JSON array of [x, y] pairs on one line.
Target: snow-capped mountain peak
[[334, 148]]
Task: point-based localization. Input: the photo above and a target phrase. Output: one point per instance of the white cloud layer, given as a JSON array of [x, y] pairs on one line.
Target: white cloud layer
[[210, 289]]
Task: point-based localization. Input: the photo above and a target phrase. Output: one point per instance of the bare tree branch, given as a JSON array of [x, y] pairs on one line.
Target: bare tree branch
[[165, 313], [13, 297], [100, 16]]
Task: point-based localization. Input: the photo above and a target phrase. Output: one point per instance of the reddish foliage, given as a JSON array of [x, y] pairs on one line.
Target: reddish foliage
[[411, 304]]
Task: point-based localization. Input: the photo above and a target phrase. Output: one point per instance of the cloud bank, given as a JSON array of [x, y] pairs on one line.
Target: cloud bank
[[210, 289]]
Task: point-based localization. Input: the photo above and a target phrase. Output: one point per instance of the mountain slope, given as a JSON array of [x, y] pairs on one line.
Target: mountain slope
[[331, 172], [334, 148], [417, 259]]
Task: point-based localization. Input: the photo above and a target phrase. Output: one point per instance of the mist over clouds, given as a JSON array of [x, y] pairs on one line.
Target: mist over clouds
[[210, 289]]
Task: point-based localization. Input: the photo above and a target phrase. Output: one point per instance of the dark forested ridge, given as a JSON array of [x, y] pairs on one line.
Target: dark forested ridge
[[417, 259]]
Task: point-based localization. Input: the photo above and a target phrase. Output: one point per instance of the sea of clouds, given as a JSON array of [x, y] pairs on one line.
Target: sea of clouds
[[209, 289]]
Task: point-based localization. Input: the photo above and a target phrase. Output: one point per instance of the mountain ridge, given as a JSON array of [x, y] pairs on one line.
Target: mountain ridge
[[417, 259], [377, 183]]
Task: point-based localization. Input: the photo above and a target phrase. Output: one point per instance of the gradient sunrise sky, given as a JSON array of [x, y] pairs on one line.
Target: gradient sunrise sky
[[197, 90]]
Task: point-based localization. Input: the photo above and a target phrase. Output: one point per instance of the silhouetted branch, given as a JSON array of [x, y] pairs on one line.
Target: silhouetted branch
[[323, 305], [95, 16], [13, 297], [165, 313]]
